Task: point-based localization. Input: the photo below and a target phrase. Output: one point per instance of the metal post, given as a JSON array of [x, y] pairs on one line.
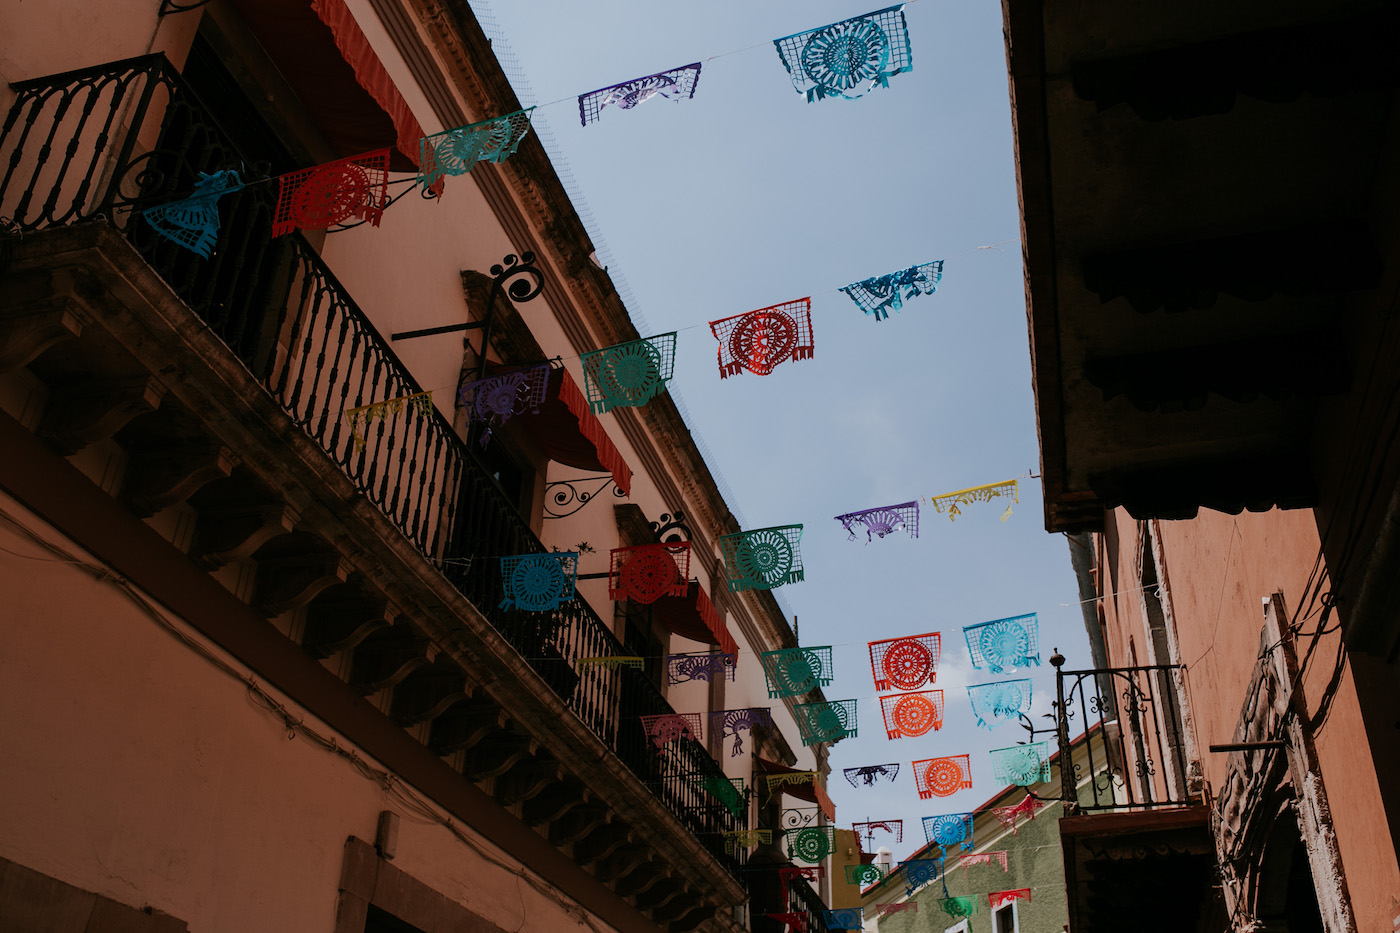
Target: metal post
[[1067, 788]]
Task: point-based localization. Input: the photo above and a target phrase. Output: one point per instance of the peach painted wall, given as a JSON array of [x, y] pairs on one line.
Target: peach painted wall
[[134, 768], [1216, 570]]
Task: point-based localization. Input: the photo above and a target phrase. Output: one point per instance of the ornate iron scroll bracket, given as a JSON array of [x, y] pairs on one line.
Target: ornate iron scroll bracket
[[520, 279], [671, 527], [566, 496]]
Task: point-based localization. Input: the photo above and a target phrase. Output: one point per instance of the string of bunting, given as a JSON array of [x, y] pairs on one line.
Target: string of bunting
[[745, 838], [612, 662], [1004, 644], [942, 777], [796, 671], [826, 722], [995, 703], [630, 374], [1022, 765], [884, 520], [539, 582], [998, 857], [727, 722], [665, 728], [871, 873], [906, 663], [920, 871], [844, 918], [896, 907], [870, 774], [951, 503], [894, 827], [949, 829], [706, 666], [912, 714], [811, 843], [762, 559], [360, 417], [1008, 816]]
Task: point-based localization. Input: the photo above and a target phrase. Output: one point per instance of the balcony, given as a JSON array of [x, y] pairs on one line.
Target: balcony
[[214, 392], [1135, 830]]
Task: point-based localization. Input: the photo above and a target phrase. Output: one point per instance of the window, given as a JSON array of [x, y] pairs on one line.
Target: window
[[959, 927], [1004, 919]]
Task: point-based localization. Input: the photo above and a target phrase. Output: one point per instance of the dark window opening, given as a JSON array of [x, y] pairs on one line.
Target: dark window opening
[[379, 921]]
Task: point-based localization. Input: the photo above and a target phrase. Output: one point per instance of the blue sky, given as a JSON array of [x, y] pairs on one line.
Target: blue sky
[[747, 196]]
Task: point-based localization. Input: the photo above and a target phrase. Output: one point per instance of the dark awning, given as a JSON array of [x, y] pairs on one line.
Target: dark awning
[[326, 59], [567, 432], [811, 791], [693, 616]]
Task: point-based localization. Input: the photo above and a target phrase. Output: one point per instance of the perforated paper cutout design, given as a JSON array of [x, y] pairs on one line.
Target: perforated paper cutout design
[[897, 907], [912, 714], [942, 777], [998, 898], [647, 572], [864, 874], [905, 663], [882, 294], [708, 666], [665, 728], [795, 671], [729, 792], [1009, 816], [759, 340], [539, 582], [958, 907], [869, 774], [919, 871], [831, 721], [455, 152], [949, 829], [763, 559], [1022, 765], [630, 374], [496, 399], [984, 858], [362, 416], [1004, 644], [613, 662], [998, 702], [881, 521], [676, 84], [809, 873], [796, 923], [847, 918], [745, 838], [951, 503], [332, 193], [811, 844], [771, 781], [867, 830], [849, 58], [193, 222], [727, 722]]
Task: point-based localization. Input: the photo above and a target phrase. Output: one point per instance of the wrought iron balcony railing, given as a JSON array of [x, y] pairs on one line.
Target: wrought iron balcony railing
[[100, 143], [1142, 761]]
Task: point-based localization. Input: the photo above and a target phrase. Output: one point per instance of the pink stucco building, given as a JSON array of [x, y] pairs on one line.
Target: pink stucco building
[[259, 666], [1208, 197]]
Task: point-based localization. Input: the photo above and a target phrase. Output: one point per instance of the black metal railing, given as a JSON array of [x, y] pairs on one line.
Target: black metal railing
[[102, 143], [1142, 760], [766, 898]]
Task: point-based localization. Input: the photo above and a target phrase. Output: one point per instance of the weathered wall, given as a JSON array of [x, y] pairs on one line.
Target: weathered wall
[[136, 769], [1215, 572]]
